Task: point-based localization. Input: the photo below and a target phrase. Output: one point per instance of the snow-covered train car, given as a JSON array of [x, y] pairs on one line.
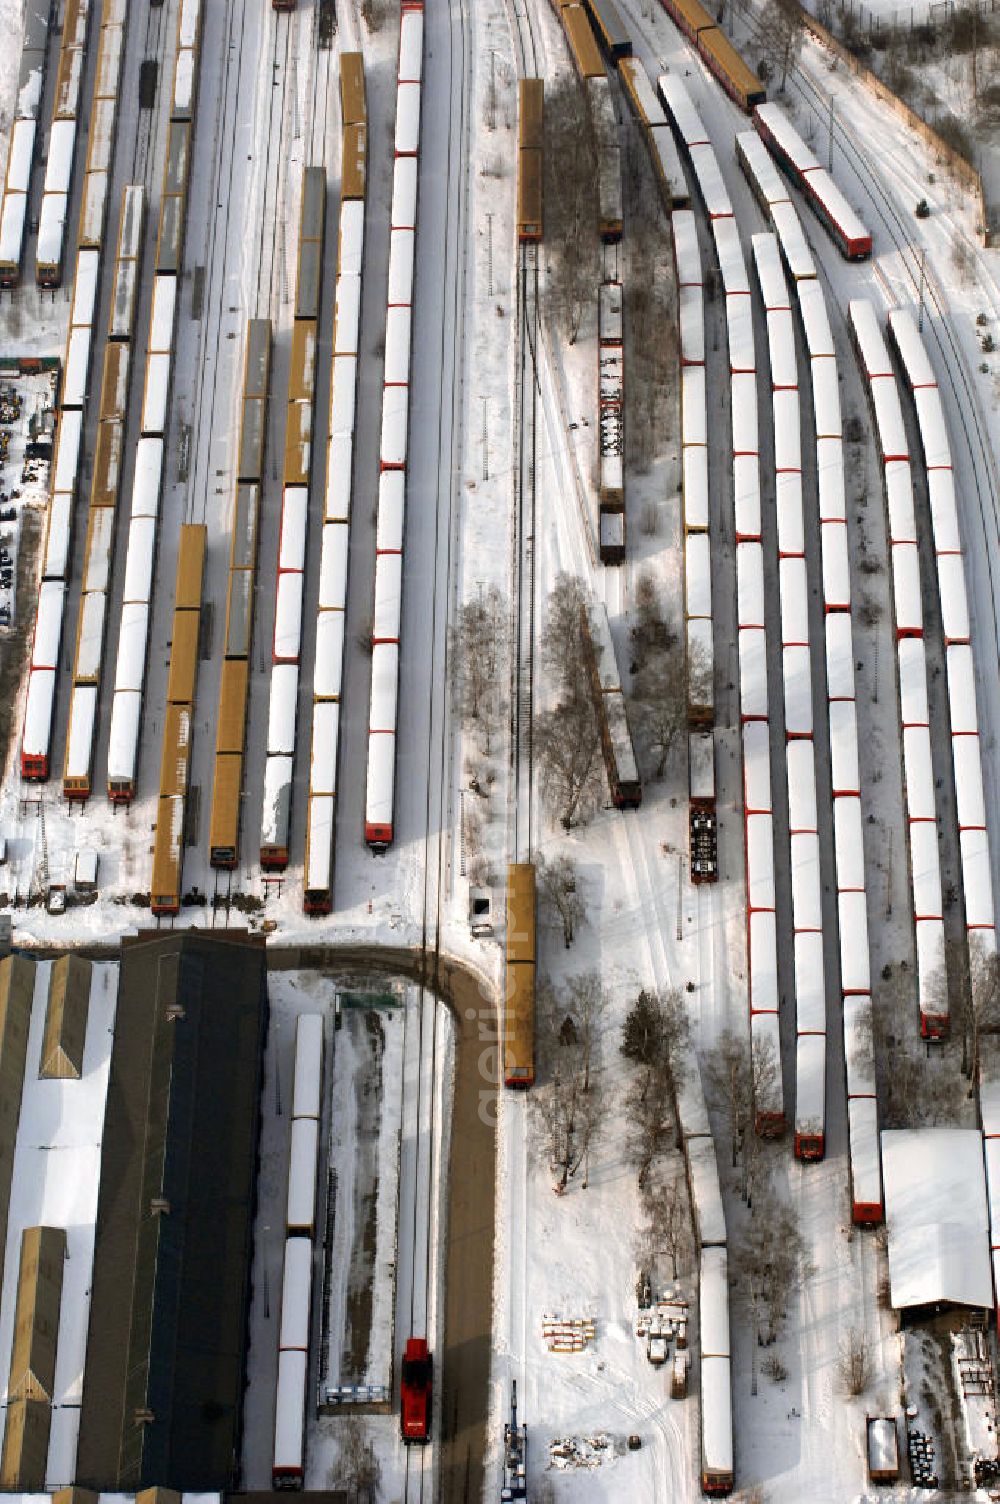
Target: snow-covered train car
[[810, 983], [296, 1291], [716, 1426], [794, 594], [810, 1096], [797, 256], [746, 497], [303, 1160], [807, 889], [760, 862], [836, 567], [380, 789], [756, 768], [830, 480], [788, 513], [687, 255], [729, 254], [855, 969], [759, 170], [288, 1460], [710, 182], [768, 1106], [770, 274], [815, 320], [680, 109], [906, 592], [824, 197], [706, 1195], [800, 769], [307, 1088], [865, 1161], [753, 674]]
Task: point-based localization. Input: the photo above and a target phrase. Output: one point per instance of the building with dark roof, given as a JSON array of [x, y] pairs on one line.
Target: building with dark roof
[[166, 1346]]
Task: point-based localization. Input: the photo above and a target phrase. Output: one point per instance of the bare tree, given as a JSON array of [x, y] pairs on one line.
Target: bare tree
[[669, 1220], [978, 1001], [480, 642], [771, 1263], [660, 692], [855, 1362], [650, 1123], [559, 893], [563, 647], [570, 203], [784, 34], [649, 632], [568, 1030], [568, 747], [745, 1079]]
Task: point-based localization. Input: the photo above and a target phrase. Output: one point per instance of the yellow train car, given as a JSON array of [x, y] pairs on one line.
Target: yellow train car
[[114, 380], [531, 112], [298, 443], [183, 670], [107, 464], [519, 977], [190, 567], [582, 42], [690, 16], [175, 756], [224, 827], [168, 841], [353, 106], [739, 81], [354, 161], [302, 373]]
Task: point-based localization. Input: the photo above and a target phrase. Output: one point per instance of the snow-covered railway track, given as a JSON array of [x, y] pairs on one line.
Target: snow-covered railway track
[[923, 286], [284, 27], [145, 162]]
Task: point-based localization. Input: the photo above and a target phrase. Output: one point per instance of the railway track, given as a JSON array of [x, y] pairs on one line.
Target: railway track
[[157, 35], [422, 1463], [284, 26], [966, 409]]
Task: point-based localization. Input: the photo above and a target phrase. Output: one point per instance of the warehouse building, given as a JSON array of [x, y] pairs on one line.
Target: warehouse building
[[166, 1346]]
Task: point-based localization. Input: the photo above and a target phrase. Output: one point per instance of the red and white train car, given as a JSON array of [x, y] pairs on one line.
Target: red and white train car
[[826, 200], [383, 707], [918, 371]]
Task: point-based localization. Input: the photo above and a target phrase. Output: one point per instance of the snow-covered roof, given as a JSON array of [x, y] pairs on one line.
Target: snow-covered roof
[[961, 689], [404, 194], [319, 841], [855, 969], [976, 879], [381, 778], [411, 42], [810, 1083], [762, 954], [912, 681], [717, 1415], [968, 782], [794, 246], [347, 315], [786, 137], [695, 486], [925, 865], [388, 597], [706, 1195], [729, 251], [822, 186], [22, 146], [756, 766], [844, 770], [944, 513], [899, 502], [678, 104], [760, 861], [38, 712], [80, 733], [711, 185], [691, 316], [746, 495], [139, 559], [800, 765], [687, 255], [866, 1177], [161, 319], [767, 259], [88, 265], [288, 617], [873, 351], [936, 1216], [146, 480], [77, 360], [746, 431], [667, 162], [739, 323], [384, 687], [154, 402], [407, 118], [333, 567], [15, 207], [395, 413], [839, 656], [810, 983], [749, 585], [807, 888], [794, 592], [296, 1288], [787, 436], [302, 1173], [401, 266], [753, 672], [849, 843], [126, 710], [697, 575], [826, 397], [57, 537], [277, 798], [796, 672], [292, 545], [918, 773], [51, 229], [836, 566], [781, 347], [815, 319], [858, 1053], [760, 168], [906, 589], [788, 511], [713, 1294], [90, 636], [954, 600], [933, 428], [694, 423], [329, 659], [830, 480], [909, 342], [323, 750], [281, 710]]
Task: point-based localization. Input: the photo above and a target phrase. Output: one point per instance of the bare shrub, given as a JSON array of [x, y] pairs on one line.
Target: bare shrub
[[854, 1364]]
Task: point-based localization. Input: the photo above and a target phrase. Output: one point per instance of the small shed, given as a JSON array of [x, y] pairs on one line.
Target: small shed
[[937, 1220], [85, 871], [882, 1448], [66, 1019]]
